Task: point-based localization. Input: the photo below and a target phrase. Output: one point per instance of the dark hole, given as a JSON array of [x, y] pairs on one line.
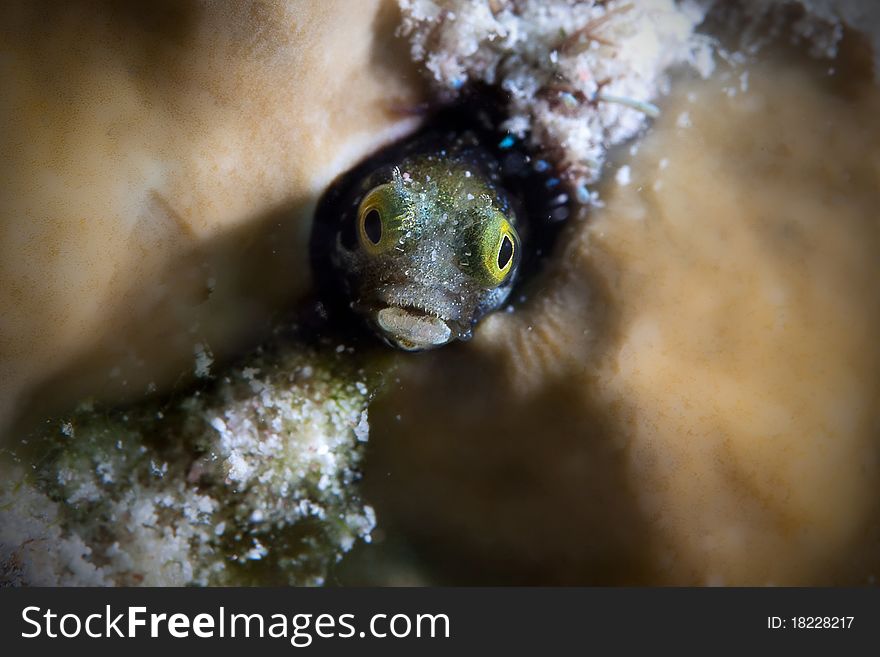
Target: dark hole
[[505, 253], [373, 226]]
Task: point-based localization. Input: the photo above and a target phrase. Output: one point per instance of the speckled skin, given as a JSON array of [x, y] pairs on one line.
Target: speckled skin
[[447, 188]]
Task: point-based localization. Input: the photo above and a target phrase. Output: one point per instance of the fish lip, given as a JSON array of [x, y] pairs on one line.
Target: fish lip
[[426, 306], [429, 300], [412, 329], [461, 329]]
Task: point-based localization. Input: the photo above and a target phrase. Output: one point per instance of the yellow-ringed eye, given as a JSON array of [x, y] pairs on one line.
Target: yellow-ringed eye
[[372, 226], [499, 249], [505, 252], [379, 217]]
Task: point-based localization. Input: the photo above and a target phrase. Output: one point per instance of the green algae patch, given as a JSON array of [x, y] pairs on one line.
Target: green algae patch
[[250, 480]]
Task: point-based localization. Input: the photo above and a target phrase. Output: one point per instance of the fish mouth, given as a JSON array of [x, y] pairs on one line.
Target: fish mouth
[[413, 329]]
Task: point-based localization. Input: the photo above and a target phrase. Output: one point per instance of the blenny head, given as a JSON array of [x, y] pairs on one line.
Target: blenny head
[[427, 246]]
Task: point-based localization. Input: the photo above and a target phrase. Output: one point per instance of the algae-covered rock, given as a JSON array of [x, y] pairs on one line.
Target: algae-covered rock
[[248, 480]]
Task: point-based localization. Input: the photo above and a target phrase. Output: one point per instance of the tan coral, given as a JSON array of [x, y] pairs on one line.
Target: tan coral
[[160, 166], [688, 394]]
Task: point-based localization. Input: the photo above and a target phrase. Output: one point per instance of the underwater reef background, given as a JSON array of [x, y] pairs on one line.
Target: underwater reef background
[[686, 393]]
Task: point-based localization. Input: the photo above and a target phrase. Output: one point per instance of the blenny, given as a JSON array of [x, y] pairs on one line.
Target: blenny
[[424, 239]]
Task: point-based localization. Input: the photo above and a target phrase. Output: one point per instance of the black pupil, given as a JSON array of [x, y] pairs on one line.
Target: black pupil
[[505, 253], [373, 226]]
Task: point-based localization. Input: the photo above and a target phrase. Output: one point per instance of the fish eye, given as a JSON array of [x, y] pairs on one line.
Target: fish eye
[[379, 217], [505, 252], [373, 225], [499, 248]]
